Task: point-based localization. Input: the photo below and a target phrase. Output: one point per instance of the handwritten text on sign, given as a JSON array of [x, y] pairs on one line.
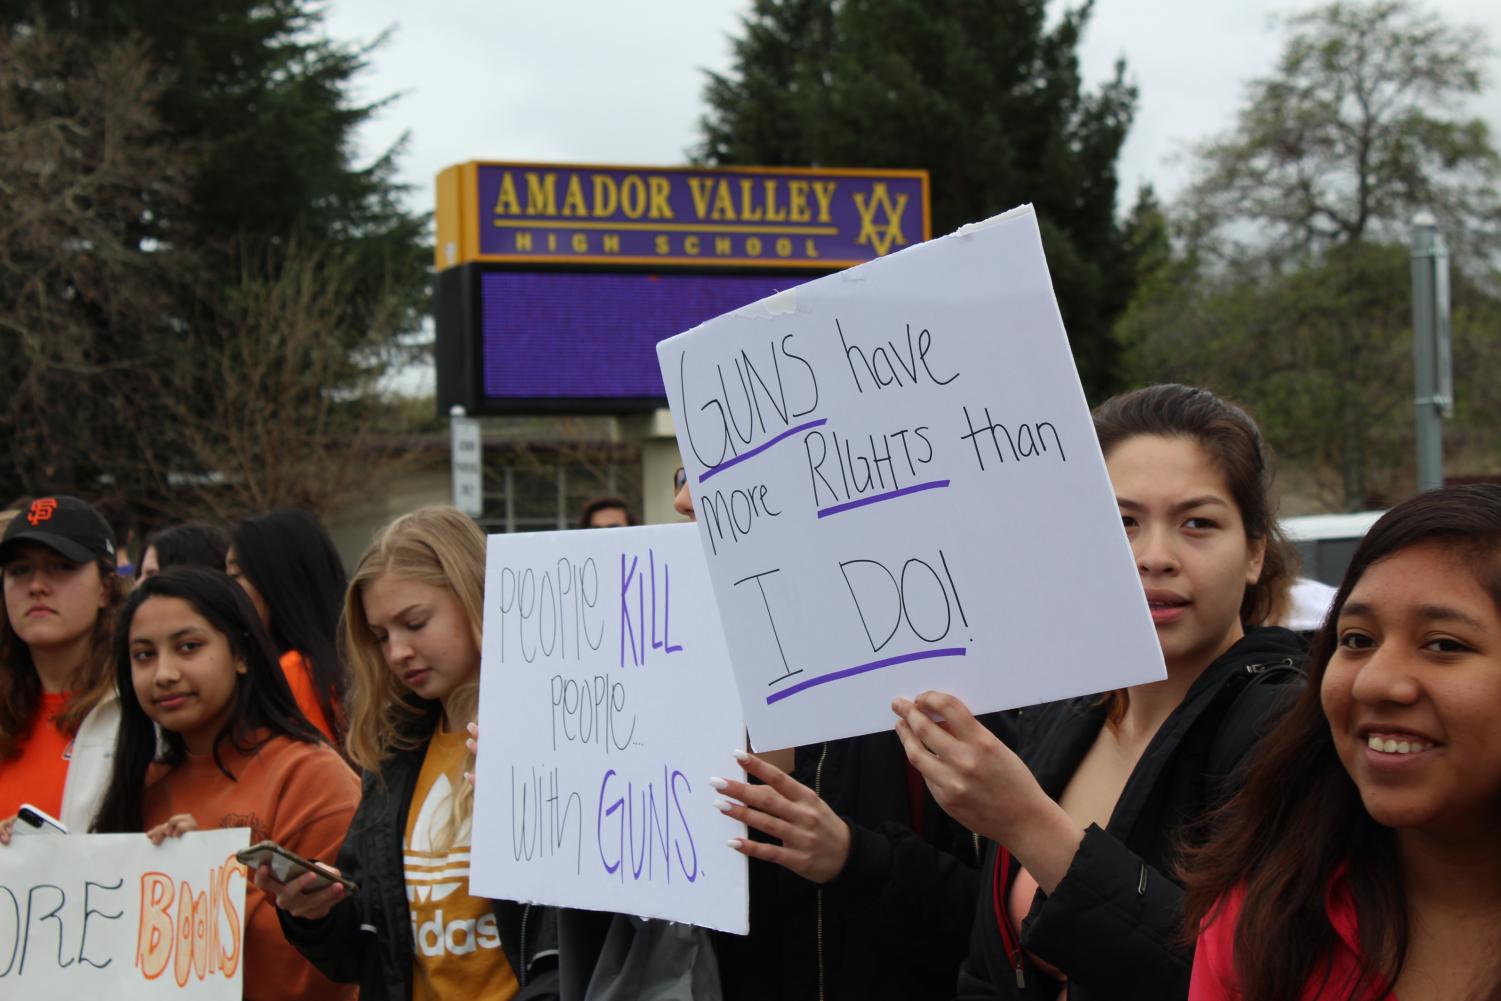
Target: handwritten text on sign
[[606, 702], [85, 916], [898, 488]]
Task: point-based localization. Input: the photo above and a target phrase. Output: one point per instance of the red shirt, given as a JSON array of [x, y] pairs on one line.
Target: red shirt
[[37, 776], [1214, 976]]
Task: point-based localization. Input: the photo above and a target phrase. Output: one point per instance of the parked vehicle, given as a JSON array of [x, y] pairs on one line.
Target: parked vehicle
[[1327, 541]]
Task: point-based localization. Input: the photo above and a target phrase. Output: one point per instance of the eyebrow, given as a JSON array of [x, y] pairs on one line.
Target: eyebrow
[[1204, 501], [414, 606], [173, 636], [1428, 613]]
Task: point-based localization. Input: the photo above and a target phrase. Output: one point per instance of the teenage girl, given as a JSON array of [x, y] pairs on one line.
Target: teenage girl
[[1077, 897], [1359, 863], [412, 636], [58, 710], [211, 737], [288, 566]]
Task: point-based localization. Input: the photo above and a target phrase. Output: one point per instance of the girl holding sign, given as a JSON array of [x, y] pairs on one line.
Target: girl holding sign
[[412, 620], [58, 710], [1360, 862], [1078, 895], [211, 737]]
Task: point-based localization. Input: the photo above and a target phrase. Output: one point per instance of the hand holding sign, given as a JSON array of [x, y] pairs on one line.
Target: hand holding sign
[[981, 783], [815, 841], [174, 826]]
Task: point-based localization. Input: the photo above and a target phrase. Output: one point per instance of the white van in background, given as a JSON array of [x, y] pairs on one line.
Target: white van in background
[[1327, 541]]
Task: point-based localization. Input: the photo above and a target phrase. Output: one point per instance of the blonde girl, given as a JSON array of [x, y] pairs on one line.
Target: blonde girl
[[411, 637]]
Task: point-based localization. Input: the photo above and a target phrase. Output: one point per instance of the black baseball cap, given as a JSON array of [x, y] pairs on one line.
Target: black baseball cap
[[66, 524]]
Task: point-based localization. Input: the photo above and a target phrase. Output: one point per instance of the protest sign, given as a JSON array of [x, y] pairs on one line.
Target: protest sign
[[898, 488], [606, 702], [85, 916]]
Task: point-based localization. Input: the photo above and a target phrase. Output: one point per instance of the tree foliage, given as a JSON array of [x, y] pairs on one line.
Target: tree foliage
[[1291, 287], [987, 97], [196, 162], [1358, 128], [80, 167]]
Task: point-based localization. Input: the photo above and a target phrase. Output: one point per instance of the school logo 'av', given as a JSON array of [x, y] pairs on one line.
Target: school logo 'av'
[[880, 237]]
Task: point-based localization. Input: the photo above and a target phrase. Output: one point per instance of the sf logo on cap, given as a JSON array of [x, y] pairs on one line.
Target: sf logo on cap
[[41, 510]]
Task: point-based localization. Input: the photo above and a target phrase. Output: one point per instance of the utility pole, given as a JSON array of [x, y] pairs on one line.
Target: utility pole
[[1433, 371]]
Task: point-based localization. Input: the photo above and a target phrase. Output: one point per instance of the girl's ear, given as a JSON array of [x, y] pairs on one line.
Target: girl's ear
[[1256, 559], [240, 667]]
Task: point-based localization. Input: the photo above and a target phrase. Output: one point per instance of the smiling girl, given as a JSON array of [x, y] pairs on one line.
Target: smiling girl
[[1359, 863], [1077, 898], [58, 711], [412, 638], [232, 751]]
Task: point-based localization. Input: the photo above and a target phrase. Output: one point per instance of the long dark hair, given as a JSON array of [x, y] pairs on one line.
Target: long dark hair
[[263, 703], [192, 543], [293, 564], [1300, 814], [1232, 441]]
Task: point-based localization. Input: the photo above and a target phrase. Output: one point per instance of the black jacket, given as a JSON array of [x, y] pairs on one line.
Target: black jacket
[[1114, 923], [893, 923], [367, 938]]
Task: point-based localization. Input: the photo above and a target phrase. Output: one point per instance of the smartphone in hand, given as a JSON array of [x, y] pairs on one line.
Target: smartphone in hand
[[286, 865], [31, 820]]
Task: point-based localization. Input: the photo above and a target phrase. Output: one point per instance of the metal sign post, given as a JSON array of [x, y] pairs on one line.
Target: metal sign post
[[1433, 372]]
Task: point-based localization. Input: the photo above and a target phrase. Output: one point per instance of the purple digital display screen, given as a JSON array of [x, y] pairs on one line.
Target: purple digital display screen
[[594, 335]]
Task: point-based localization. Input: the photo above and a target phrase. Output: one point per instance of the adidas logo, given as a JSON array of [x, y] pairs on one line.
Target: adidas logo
[[431, 876], [458, 937]]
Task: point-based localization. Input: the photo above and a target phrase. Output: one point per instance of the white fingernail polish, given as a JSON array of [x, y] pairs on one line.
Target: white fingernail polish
[[740, 755], [723, 806], [734, 842], [715, 782]]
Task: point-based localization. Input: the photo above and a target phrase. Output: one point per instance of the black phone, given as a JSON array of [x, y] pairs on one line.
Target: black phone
[[287, 865]]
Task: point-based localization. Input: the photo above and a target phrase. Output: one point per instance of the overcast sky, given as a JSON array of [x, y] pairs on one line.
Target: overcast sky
[[612, 82], [605, 81]]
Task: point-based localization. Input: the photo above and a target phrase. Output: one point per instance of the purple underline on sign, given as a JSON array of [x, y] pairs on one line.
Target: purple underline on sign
[[875, 665], [761, 448], [824, 512]]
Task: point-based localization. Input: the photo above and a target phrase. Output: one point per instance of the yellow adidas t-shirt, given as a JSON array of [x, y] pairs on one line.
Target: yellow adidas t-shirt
[[456, 944]]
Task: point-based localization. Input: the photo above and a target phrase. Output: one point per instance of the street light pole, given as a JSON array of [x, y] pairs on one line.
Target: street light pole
[[1431, 367]]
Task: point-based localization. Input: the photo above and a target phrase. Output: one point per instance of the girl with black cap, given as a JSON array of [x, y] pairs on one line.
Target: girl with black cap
[[59, 712]]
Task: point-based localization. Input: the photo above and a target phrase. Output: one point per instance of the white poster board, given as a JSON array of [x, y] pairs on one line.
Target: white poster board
[[88, 916], [898, 488], [606, 703]]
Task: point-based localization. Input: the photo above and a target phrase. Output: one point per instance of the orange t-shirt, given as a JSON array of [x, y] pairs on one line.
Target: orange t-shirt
[[302, 796], [37, 776], [300, 678]]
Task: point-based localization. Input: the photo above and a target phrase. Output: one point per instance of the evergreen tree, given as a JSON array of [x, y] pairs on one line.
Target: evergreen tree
[[251, 110], [985, 96]]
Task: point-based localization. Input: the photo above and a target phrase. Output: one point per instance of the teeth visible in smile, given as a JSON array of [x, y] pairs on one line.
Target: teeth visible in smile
[[1390, 745]]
